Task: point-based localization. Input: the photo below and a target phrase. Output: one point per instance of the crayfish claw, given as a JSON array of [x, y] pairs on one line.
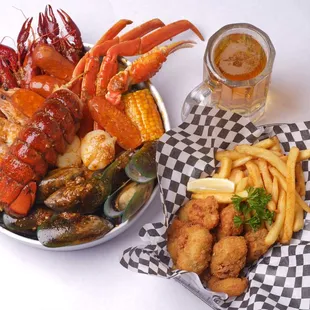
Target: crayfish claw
[[71, 27], [24, 31], [22, 38], [42, 27]]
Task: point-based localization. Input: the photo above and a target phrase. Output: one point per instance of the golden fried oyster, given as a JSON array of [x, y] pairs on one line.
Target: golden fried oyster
[[229, 256], [190, 246], [201, 211], [255, 241], [230, 286], [227, 226]]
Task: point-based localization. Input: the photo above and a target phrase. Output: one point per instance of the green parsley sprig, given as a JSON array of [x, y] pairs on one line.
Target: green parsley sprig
[[254, 208]]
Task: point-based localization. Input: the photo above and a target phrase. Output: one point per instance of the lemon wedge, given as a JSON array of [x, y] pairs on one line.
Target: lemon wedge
[[211, 184]]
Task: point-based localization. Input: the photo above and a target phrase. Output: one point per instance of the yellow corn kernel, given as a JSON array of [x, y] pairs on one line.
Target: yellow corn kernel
[[142, 110]]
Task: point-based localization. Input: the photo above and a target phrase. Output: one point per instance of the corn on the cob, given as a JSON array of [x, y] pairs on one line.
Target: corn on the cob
[[142, 110]]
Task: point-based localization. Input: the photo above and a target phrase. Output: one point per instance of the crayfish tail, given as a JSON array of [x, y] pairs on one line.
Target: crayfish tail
[[24, 201]]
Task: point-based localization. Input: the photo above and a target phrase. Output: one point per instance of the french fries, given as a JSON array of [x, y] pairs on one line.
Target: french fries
[[265, 144], [242, 184], [290, 196], [233, 155], [283, 184], [236, 175], [275, 190], [226, 165], [298, 220], [276, 146], [276, 227], [264, 165], [268, 155], [254, 174], [303, 155], [219, 197], [241, 161], [300, 181], [271, 206]]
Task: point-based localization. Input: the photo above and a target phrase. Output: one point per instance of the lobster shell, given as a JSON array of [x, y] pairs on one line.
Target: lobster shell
[[45, 136]]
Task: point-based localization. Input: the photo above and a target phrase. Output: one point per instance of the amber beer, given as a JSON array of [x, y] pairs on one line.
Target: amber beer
[[237, 69]]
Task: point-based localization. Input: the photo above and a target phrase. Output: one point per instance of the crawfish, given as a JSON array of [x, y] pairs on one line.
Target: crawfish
[[18, 68], [48, 132]]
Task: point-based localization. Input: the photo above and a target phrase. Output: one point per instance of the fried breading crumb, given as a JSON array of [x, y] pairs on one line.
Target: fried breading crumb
[[227, 226], [229, 256], [255, 241], [201, 211], [190, 246], [230, 286]]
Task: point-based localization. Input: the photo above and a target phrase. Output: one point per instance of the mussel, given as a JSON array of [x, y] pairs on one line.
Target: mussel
[[128, 200], [86, 196], [55, 180], [28, 225], [142, 166], [72, 228]]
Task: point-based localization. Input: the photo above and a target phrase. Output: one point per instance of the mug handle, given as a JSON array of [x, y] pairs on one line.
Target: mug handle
[[200, 95]]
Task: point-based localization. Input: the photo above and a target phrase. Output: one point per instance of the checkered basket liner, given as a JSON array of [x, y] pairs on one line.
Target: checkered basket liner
[[280, 280]]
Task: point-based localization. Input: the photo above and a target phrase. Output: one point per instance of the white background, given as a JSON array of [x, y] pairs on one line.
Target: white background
[[93, 279]]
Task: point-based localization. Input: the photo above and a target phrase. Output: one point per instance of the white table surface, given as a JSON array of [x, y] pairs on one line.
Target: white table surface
[[93, 278]]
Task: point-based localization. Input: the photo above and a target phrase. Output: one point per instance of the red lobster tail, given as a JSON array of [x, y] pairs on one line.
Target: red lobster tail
[[35, 149]]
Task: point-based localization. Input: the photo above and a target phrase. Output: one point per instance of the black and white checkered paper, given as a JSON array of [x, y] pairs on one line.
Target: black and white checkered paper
[[280, 280]]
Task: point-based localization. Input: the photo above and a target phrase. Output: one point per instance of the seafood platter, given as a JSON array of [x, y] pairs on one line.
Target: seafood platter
[[79, 126]]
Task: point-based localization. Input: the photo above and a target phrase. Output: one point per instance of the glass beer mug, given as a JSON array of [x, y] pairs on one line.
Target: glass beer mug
[[237, 68]]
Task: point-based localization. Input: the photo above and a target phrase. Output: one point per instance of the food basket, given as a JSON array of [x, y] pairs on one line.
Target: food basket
[[278, 280]]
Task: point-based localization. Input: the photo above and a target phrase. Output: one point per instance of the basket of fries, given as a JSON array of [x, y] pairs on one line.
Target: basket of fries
[[236, 227]]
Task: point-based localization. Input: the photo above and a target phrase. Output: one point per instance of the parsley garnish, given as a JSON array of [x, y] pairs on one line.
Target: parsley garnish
[[254, 208]]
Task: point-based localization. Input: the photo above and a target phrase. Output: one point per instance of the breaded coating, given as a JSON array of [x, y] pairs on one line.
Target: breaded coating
[[205, 277], [227, 226], [255, 241], [189, 246], [230, 286], [173, 235], [229, 255], [201, 211]]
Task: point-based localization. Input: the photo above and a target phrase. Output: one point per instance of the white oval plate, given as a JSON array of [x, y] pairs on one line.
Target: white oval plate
[[124, 226]]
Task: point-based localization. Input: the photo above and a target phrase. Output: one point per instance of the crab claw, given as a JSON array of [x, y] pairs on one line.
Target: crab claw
[[142, 30], [162, 34], [142, 69]]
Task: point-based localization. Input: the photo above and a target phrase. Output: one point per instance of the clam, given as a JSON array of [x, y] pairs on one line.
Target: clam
[[72, 228], [142, 166], [128, 200], [29, 224]]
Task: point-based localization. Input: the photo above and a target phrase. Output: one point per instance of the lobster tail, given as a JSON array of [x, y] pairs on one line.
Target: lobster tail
[[35, 149]]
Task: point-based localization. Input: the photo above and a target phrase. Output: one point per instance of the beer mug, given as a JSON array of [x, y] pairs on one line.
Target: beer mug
[[237, 67]]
